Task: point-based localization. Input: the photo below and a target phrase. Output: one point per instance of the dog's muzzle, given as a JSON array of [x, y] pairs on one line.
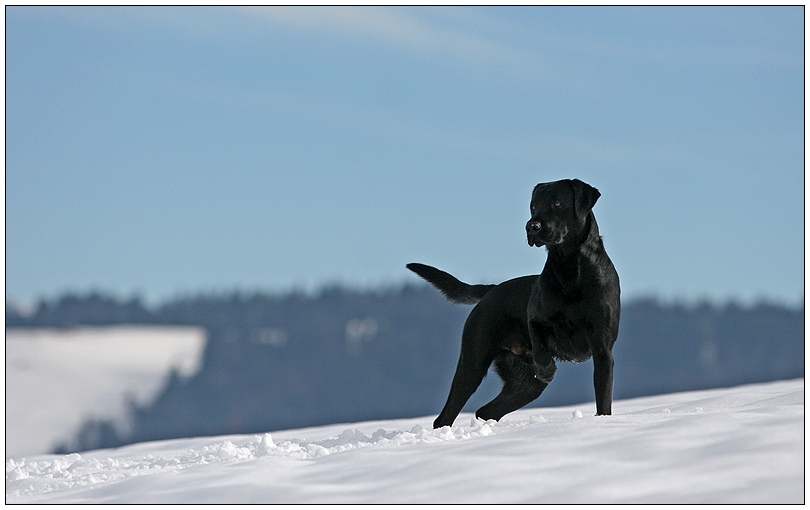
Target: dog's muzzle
[[537, 236], [533, 233]]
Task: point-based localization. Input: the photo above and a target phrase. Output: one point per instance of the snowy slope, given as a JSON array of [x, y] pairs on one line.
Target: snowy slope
[[738, 445], [57, 379]]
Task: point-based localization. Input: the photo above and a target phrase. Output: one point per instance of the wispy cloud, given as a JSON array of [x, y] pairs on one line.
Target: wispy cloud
[[405, 28]]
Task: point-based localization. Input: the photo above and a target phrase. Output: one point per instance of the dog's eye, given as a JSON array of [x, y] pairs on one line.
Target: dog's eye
[[556, 204], [532, 208]]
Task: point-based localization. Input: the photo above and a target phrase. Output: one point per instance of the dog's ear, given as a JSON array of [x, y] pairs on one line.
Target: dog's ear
[[585, 196]]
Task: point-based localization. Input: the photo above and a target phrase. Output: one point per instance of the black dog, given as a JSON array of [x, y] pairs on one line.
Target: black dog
[[569, 312]]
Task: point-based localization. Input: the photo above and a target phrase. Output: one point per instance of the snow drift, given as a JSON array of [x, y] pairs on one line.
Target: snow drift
[[738, 445]]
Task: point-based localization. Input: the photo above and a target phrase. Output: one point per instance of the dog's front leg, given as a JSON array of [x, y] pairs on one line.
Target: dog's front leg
[[544, 365], [603, 381]]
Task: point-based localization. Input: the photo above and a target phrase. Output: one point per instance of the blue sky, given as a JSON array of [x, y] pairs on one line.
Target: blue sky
[[159, 151]]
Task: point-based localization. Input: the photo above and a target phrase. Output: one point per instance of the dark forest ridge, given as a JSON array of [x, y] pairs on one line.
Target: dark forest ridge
[[293, 360]]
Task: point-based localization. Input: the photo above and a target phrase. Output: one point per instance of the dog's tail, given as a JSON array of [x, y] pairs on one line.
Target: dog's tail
[[453, 289]]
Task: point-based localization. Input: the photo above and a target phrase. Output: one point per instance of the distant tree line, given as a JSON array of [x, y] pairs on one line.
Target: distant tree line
[[291, 360]]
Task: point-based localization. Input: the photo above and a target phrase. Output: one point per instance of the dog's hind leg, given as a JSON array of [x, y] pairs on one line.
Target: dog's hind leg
[[477, 352], [469, 375], [520, 387]]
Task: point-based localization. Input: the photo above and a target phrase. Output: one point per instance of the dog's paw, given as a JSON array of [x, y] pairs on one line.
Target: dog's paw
[[545, 374]]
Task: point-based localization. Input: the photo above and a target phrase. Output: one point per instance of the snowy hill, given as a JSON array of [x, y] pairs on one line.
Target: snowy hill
[[738, 445], [57, 379]]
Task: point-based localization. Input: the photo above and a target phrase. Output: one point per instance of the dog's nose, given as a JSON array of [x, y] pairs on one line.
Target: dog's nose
[[533, 227]]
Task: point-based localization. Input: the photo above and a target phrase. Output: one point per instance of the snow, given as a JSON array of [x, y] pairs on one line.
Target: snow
[[737, 445], [57, 379]]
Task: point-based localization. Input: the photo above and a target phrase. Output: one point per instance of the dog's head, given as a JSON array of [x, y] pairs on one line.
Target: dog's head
[[559, 209]]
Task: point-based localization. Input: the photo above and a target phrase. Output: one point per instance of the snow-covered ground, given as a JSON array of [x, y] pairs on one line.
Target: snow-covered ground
[[738, 445], [57, 379]]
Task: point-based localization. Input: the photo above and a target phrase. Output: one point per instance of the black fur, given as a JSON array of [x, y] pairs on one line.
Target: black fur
[[453, 289], [569, 312]]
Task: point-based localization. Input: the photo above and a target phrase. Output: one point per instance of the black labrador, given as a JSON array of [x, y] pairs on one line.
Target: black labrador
[[570, 312]]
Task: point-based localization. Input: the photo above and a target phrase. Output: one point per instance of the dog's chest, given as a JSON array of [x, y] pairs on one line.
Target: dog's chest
[[568, 338]]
